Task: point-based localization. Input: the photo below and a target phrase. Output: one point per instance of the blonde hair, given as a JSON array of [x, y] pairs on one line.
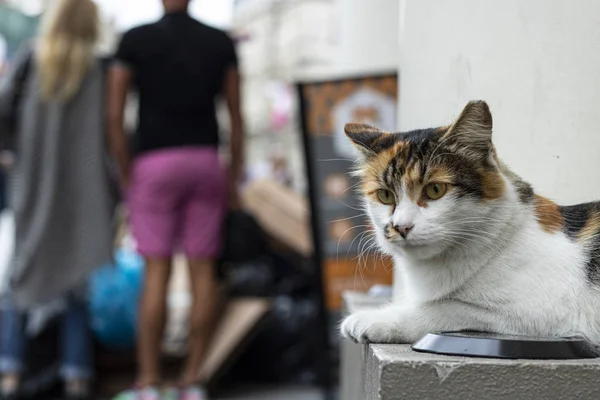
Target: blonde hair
[[66, 47]]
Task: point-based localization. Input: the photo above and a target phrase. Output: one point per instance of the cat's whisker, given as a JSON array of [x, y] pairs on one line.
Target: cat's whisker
[[357, 270], [334, 159], [474, 234], [362, 264], [348, 218], [350, 207], [361, 244], [367, 245], [351, 187], [363, 236], [337, 251], [372, 251]]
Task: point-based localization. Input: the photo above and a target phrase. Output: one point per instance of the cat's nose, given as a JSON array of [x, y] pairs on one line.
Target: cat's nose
[[403, 230]]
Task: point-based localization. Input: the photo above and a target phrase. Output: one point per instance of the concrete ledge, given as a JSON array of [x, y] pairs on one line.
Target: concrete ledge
[[395, 372], [353, 355]]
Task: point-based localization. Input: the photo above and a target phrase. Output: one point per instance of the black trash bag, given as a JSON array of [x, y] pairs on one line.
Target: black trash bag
[[252, 279], [244, 238], [268, 276], [291, 280], [286, 348], [295, 333]]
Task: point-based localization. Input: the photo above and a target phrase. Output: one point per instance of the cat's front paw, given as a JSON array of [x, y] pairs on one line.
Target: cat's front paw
[[371, 327]]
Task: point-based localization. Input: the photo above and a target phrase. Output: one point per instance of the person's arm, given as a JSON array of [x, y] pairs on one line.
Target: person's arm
[[11, 95], [9, 77], [232, 96], [119, 82]]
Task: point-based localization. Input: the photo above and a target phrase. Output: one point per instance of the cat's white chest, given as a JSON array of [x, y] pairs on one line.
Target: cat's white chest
[[539, 277]]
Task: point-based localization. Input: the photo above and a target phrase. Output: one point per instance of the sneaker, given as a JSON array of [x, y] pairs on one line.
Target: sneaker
[[9, 387], [77, 389], [193, 393], [150, 393]]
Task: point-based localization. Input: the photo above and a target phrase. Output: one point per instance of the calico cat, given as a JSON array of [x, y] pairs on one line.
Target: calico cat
[[477, 248]]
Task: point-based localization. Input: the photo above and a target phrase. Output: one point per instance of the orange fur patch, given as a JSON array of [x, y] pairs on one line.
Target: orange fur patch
[[548, 214], [423, 201], [439, 175], [374, 168], [370, 186], [493, 186], [412, 182]]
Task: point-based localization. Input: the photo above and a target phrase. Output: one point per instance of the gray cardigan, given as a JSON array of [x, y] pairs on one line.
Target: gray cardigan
[[61, 194]]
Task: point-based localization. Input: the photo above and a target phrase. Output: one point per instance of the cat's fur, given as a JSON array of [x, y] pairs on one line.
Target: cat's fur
[[490, 255]]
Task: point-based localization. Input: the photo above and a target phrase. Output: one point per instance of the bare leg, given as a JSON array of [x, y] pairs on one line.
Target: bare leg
[[202, 316], [153, 314]]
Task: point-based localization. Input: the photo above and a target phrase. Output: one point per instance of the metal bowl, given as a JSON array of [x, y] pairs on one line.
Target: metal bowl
[[491, 345]]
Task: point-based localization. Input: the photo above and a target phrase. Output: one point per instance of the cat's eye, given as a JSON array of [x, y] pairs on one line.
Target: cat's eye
[[386, 197], [435, 191]]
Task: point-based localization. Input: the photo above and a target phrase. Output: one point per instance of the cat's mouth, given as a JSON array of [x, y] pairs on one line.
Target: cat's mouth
[[414, 243], [411, 243]]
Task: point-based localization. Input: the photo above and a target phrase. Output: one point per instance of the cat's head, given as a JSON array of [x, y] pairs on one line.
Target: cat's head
[[428, 190]]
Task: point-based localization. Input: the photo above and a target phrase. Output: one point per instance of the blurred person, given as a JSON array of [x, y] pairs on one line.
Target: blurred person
[[60, 197], [177, 188], [5, 161]]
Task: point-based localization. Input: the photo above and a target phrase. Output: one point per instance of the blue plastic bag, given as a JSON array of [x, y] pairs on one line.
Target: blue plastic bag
[[114, 296]]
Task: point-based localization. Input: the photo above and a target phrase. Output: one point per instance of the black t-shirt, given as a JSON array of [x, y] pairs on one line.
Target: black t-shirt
[[179, 66]]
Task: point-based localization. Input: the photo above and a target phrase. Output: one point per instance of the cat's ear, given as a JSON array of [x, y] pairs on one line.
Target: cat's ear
[[473, 128], [365, 138]]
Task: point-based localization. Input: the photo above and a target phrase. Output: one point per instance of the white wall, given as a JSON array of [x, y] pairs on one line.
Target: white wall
[[366, 34], [536, 62]]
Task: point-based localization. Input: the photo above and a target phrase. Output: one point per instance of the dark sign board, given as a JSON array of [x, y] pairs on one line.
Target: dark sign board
[[341, 230]]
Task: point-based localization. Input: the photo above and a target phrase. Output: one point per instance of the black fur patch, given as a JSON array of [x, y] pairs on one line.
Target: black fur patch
[[419, 136], [593, 264], [576, 218], [526, 194], [383, 143]]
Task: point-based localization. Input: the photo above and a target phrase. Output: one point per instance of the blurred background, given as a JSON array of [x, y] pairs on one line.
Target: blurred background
[[308, 67]]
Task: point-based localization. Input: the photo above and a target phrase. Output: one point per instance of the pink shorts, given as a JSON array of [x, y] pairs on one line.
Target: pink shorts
[[178, 199]]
